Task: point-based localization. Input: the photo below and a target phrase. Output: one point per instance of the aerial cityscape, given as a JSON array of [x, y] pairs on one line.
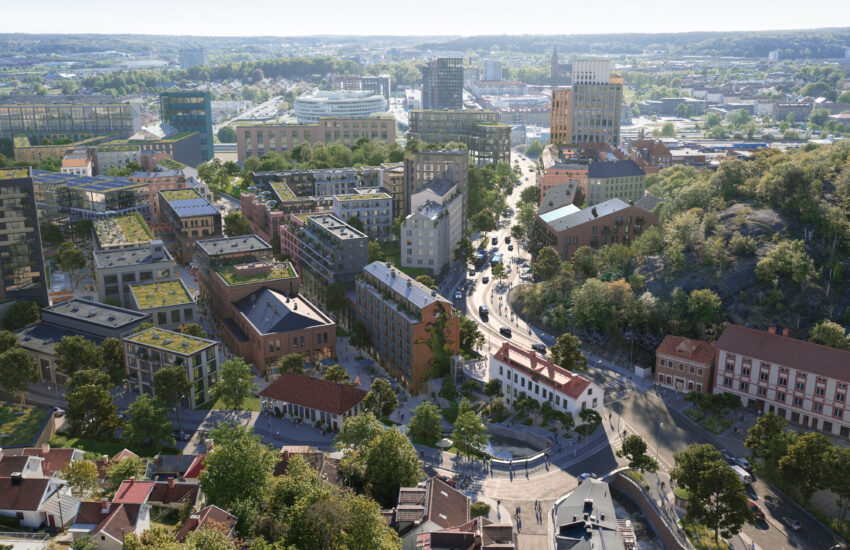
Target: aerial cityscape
[[376, 281]]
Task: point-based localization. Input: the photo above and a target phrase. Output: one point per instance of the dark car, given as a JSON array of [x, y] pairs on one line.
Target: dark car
[[485, 279], [507, 240], [494, 240], [510, 247], [483, 311], [539, 348], [472, 273], [506, 331], [756, 510], [450, 481], [792, 522]]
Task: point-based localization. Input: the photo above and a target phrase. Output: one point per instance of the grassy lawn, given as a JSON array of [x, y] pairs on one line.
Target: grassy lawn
[[715, 424], [414, 272], [22, 428], [250, 404], [100, 448]]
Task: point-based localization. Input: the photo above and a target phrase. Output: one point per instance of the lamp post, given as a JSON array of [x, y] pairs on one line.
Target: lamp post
[[657, 445]]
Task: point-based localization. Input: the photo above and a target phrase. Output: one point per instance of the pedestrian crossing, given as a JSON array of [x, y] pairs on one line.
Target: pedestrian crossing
[[616, 384]]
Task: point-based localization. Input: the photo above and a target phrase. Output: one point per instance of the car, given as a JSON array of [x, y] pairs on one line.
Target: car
[[539, 348], [494, 241], [756, 510], [450, 481], [792, 522], [180, 435], [458, 295], [58, 412], [507, 239], [584, 476], [506, 331], [485, 279], [744, 463], [510, 248], [483, 311], [472, 273]]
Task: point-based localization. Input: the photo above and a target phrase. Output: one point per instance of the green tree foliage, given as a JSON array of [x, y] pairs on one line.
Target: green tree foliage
[[464, 251], [470, 336], [171, 385], [8, 340], [376, 253], [356, 432], [426, 280], [91, 413], [125, 468], [425, 424], [338, 374], [75, 353], [500, 273], [803, 463], [768, 441], [51, 234], [21, 314], [292, 362], [634, 449], [235, 224], [357, 223], [81, 475], [440, 345], [830, 333], [235, 385], [193, 329], [567, 353], [112, 359], [209, 539], [787, 261], [147, 423], [534, 148], [479, 509], [17, 369], [335, 295], [381, 399], [226, 134], [837, 480], [470, 436], [71, 259], [493, 388], [530, 195], [546, 264]]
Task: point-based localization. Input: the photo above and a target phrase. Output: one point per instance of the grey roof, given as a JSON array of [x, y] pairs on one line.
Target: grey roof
[[126, 257], [162, 465], [593, 498], [415, 292], [614, 169], [163, 174], [335, 226], [648, 201], [588, 214], [271, 312], [58, 99], [558, 196], [42, 337], [96, 313], [229, 245], [185, 208], [441, 184]]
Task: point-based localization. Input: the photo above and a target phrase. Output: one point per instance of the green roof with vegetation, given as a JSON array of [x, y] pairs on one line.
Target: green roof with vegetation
[[279, 271], [180, 194], [363, 197], [172, 164], [169, 340], [14, 173], [284, 193], [161, 294], [125, 229]]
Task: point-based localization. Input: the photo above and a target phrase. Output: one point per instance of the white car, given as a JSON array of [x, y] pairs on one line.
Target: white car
[[58, 412], [458, 295], [584, 476]]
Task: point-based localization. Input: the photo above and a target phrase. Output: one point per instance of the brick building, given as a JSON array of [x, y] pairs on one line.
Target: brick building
[[684, 364], [190, 217]]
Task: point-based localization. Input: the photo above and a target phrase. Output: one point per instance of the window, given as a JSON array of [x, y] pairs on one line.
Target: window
[[161, 318], [780, 397], [762, 392], [763, 376], [819, 391], [817, 407], [699, 372], [730, 367], [798, 401], [745, 386], [801, 386], [727, 382], [783, 381], [745, 371], [839, 397], [838, 413]]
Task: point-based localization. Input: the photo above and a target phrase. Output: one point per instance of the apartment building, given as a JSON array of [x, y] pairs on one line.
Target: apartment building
[[116, 270], [614, 221], [190, 217], [193, 56], [424, 167], [684, 364], [561, 173], [804, 383], [151, 350], [430, 235], [169, 303], [130, 231], [391, 180], [379, 85], [487, 139], [398, 313], [189, 112], [589, 110], [492, 70], [621, 179], [374, 210], [332, 249], [522, 373], [289, 185], [442, 83]]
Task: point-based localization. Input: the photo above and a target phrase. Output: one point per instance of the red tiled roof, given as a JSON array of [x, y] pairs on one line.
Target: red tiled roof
[[207, 518], [11, 464], [195, 468], [551, 374], [687, 348], [181, 491], [24, 495], [786, 351], [55, 460], [314, 393], [133, 492]]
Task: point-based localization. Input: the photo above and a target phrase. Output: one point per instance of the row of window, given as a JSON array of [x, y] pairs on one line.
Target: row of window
[[670, 364], [782, 397]]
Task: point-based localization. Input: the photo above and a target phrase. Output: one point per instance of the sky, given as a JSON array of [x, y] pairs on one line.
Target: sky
[[414, 17]]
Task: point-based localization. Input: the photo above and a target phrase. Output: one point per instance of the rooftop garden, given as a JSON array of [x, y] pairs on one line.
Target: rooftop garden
[[172, 164], [279, 271], [169, 340], [14, 173], [20, 425], [283, 192], [125, 229], [161, 294], [365, 197], [180, 194]]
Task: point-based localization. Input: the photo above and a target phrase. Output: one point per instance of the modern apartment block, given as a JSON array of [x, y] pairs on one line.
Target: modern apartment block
[[75, 117], [589, 110], [442, 83], [430, 235], [424, 167], [331, 248], [392, 181], [192, 57], [487, 139], [21, 259], [154, 349], [255, 140], [115, 270], [190, 217], [398, 313], [685, 364], [621, 179], [169, 303], [804, 383], [374, 210], [492, 70], [190, 112]]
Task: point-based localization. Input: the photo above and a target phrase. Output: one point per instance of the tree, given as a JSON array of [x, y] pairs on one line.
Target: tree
[[292, 362], [338, 374], [788, 260], [81, 475], [479, 509], [426, 280], [493, 388], [704, 309], [8, 340], [470, 336], [112, 359], [357, 431], [499, 272], [803, 463], [534, 148], [75, 353], [425, 424], [381, 399], [376, 253], [518, 232], [17, 369], [171, 385], [85, 543], [470, 435], [837, 466], [591, 419], [125, 468], [360, 335], [235, 385], [634, 449], [767, 440], [567, 353], [391, 463], [71, 259], [668, 130], [91, 412], [209, 539], [830, 333], [21, 314], [439, 345], [235, 224], [464, 251], [226, 134], [51, 234], [193, 329], [530, 195], [240, 468], [546, 264], [335, 296], [356, 223]]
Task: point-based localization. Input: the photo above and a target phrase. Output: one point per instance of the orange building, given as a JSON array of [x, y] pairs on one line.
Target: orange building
[[557, 174], [559, 118]]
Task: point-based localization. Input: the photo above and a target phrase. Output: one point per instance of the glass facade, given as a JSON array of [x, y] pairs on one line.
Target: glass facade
[[190, 112], [77, 121], [21, 259]]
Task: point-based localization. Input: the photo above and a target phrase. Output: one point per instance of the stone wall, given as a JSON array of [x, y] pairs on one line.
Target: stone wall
[[630, 489]]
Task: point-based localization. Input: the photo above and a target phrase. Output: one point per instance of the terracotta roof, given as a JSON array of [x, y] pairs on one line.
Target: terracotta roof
[[195, 468], [103, 463], [23, 495], [493, 536], [207, 518], [74, 162], [314, 393], [550, 374], [120, 520], [11, 464], [133, 492], [785, 351], [55, 460], [181, 491], [687, 348]]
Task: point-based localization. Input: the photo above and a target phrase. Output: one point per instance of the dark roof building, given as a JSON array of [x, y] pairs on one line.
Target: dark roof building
[[586, 520], [431, 506], [312, 399]]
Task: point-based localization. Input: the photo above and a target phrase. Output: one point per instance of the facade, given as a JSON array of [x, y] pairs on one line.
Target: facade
[[37, 502], [391, 180], [310, 108], [430, 235], [588, 111], [190, 217], [561, 173], [379, 85], [187, 147], [470, 74], [492, 70], [375, 210], [331, 248], [318, 402], [190, 112], [192, 57], [107, 523], [621, 179], [442, 83], [566, 229], [804, 383], [684, 364], [169, 303], [487, 139], [21, 259], [79, 162], [167, 180], [559, 73], [423, 168], [484, 88], [256, 140], [149, 351], [398, 313], [70, 197], [116, 270], [77, 117]]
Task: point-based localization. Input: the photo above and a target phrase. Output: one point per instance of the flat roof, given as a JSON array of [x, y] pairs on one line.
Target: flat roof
[[279, 270], [161, 294], [188, 203], [412, 290], [98, 184], [569, 219], [123, 229], [559, 213], [230, 245], [362, 197], [96, 313], [336, 227], [169, 340], [126, 257], [14, 173]]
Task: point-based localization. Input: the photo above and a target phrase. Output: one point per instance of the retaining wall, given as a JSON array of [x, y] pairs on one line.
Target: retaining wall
[[631, 490]]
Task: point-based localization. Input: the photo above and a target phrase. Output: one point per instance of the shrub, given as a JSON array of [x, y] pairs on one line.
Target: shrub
[[479, 509]]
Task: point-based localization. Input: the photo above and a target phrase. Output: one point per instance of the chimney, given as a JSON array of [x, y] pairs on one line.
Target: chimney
[[171, 483], [771, 330], [104, 506], [209, 444], [45, 447], [132, 479], [785, 332], [106, 459], [156, 460], [593, 211]]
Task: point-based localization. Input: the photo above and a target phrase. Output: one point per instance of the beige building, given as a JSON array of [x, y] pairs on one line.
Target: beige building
[[169, 303], [589, 110]]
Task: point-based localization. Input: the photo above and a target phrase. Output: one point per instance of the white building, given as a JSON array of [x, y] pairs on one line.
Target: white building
[[492, 69], [318, 402], [433, 230], [524, 373], [310, 108], [37, 502], [375, 210]]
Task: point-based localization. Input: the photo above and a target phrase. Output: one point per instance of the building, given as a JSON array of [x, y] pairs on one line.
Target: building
[[684, 364], [651, 155], [379, 85], [130, 231], [169, 303], [524, 373], [558, 197], [210, 517], [318, 402], [561, 173], [21, 258], [398, 313], [492, 70], [478, 533], [432, 232], [424, 167], [79, 162], [153, 349], [674, 106], [621, 179], [442, 83], [804, 383], [487, 139], [75, 317], [190, 112], [470, 74], [374, 210], [560, 74], [589, 110], [192, 56], [37, 502], [309, 108], [190, 217], [70, 197], [255, 140], [566, 229], [332, 249], [431, 506], [75, 117], [486, 88], [166, 180], [116, 270], [107, 523], [798, 111], [187, 147], [391, 180], [774, 55], [586, 520]]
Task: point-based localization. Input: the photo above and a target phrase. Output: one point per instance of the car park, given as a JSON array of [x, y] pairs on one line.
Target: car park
[[792, 522]]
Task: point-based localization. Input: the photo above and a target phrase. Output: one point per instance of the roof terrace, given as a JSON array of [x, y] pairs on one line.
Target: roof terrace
[[161, 294]]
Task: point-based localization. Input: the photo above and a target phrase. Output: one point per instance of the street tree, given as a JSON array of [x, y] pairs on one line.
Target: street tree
[[546, 264], [292, 362], [81, 475], [500, 273], [17, 369], [75, 353], [464, 251], [71, 259], [518, 232], [566, 353], [8, 340], [194, 329], [768, 441], [356, 223], [391, 463], [235, 224], [425, 424], [438, 342], [634, 449], [171, 385], [530, 195], [591, 419], [493, 388], [803, 463], [381, 399], [235, 385], [357, 431], [837, 466], [91, 413], [335, 296], [226, 134], [338, 374], [21, 314], [470, 435], [112, 359], [147, 423], [471, 336], [125, 468]]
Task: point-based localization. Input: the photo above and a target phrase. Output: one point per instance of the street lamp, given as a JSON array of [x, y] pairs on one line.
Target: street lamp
[[657, 445]]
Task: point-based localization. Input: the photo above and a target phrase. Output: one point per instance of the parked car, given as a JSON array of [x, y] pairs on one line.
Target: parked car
[[58, 412], [450, 481], [792, 522], [472, 273], [539, 348], [459, 295], [506, 331], [584, 476], [507, 240], [756, 510], [510, 247], [494, 240], [744, 463]]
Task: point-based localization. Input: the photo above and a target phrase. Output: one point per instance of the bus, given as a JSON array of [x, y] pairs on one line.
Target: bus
[[497, 258]]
